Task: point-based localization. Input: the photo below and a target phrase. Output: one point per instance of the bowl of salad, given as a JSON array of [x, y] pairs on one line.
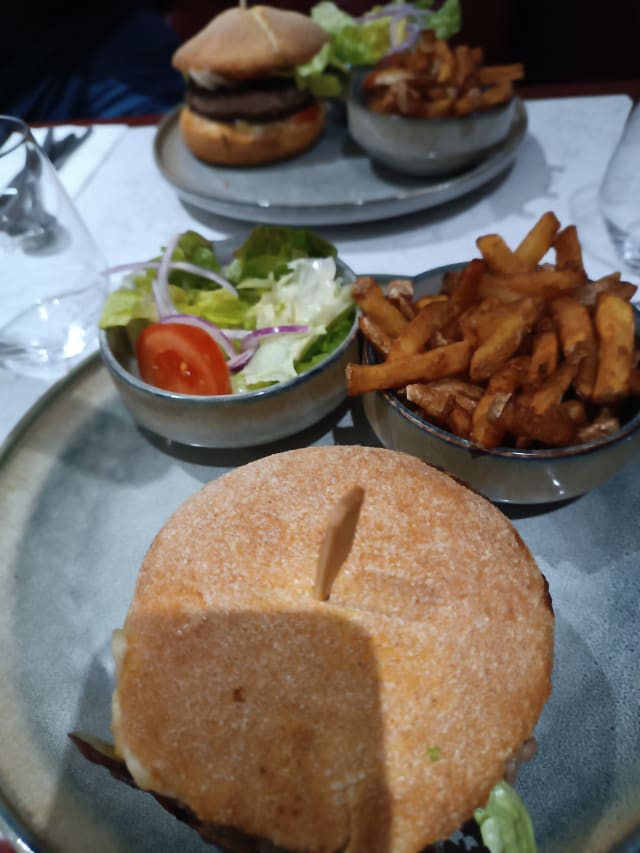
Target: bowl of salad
[[231, 344]]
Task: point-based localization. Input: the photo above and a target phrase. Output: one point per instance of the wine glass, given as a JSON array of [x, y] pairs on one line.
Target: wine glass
[[619, 196], [52, 286]]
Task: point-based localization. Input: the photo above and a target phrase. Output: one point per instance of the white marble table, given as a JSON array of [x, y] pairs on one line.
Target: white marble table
[[131, 210]]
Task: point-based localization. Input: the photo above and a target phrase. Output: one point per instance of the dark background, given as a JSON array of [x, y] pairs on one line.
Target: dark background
[[560, 41], [62, 61]]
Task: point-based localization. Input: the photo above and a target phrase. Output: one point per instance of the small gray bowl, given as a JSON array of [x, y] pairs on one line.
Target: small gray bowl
[[422, 146], [231, 420], [503, 475]]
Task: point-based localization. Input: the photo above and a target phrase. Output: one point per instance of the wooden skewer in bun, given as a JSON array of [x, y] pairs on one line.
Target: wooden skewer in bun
[[337, 542]]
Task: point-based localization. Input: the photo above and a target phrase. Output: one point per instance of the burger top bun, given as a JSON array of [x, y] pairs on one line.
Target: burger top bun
[[243, 43], [374, 722]]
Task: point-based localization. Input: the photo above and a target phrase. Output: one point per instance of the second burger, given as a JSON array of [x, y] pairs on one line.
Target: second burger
[[243, 106]]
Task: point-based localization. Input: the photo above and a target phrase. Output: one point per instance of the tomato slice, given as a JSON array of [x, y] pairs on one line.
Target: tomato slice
[[310, 114], [183, 359]]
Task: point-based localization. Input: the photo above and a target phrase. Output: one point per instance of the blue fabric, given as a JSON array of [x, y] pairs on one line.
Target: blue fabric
[[128, 73]]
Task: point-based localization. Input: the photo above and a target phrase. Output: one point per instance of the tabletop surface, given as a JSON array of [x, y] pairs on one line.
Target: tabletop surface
[[132, 211]]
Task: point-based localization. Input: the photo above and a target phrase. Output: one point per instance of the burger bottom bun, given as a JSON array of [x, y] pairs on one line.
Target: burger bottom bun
[[375, 722], [243, 144]]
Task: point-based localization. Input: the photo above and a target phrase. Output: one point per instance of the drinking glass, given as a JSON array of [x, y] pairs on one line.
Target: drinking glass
[[51, 284], [619, 196]]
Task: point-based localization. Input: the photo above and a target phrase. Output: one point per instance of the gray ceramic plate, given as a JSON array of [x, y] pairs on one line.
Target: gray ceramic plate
[[82, 493], [334, 183]]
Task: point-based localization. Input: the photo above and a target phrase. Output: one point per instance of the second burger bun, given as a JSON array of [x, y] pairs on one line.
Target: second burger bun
[[244, 43], [374, 722], [244, 144]]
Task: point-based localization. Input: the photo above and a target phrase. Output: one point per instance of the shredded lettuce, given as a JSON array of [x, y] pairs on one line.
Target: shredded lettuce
[[269, 249], [310, 294], [314, 76], [284, 276], [504, 823]]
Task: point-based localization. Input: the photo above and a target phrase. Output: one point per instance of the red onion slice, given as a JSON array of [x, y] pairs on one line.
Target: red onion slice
[[161, 292], [207, 326], [272, 330], [238, 362], [185, 266]]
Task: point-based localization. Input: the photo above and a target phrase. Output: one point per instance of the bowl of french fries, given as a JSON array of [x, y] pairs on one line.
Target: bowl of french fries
[[433, 109], [513, 371]]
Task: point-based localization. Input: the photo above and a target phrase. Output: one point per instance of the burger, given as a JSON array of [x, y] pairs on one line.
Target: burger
[[242, 104], [375, 719]]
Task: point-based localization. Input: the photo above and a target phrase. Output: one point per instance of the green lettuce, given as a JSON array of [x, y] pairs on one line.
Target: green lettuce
[[351, 43], [314, 77], [445, 21], [269, 250], [504, 823], [365, 40]]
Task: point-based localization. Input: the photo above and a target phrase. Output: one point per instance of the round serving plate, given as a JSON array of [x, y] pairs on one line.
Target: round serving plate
[[82, 494], [334, 183]]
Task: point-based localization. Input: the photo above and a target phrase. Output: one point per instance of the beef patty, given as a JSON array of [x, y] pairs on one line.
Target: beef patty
[[256, 101]]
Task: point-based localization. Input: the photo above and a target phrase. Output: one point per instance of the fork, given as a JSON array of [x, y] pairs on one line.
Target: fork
[[59, 151]]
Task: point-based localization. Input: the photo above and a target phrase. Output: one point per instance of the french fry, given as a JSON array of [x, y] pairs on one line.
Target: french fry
[[422, 367], [466, 394], [511, 376], [569, 252], [428, 298], [543, 283], [417, 334], [500, 93], [449, 281], [464, 64], [538, 241], [464, 290], [480, 321], [371, 299], [544, 357], [441, 406], [498, 257], [468, 103], [615, 329], [505, 340], [400, 294], [491, 74], [552, 390], [575, 329], [585, 380], [374, 334], [605, 423], [486, 429], [588, 293], [555, 427], [577, 411]]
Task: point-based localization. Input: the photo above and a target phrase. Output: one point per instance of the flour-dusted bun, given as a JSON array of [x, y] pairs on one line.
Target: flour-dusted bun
[[242, 43], [374, 722], [245, 144]]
